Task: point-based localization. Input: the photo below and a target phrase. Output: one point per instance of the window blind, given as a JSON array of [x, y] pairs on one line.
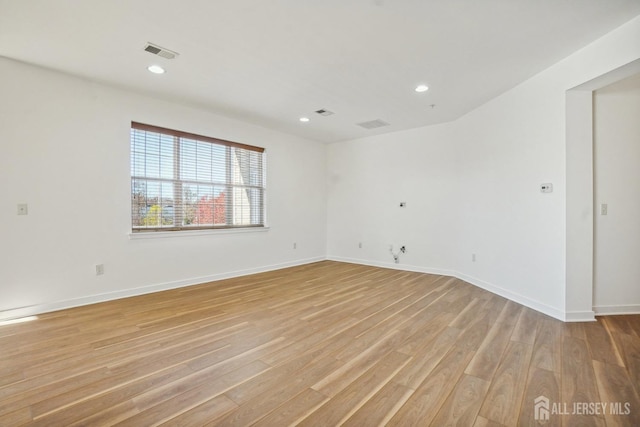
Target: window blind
[[181, 181]]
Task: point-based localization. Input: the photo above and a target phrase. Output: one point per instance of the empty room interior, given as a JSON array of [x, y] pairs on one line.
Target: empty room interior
[[367, 212]]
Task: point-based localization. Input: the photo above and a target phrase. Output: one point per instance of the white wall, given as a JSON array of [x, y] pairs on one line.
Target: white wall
[[64, 150], [471, 186], [506, 150], [492, 162], [367, 181], [617, 183]]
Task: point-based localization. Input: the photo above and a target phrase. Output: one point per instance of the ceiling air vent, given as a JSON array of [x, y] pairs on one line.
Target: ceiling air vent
[[160, 51], [373, 124], [324, 112]]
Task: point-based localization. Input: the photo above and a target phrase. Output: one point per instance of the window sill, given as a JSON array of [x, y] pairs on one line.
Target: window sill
[[190, 233]]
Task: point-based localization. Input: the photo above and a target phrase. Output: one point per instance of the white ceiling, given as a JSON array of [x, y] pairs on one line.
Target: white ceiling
[[272, 61]]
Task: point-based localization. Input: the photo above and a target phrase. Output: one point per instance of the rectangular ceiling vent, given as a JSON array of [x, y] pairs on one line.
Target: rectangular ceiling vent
[[324, 112], [373, 124], [160, 51]]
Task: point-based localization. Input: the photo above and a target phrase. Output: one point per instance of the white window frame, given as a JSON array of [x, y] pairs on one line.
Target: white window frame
[[240, 183]]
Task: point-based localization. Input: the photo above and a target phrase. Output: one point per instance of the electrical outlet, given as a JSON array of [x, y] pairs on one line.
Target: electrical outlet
[[99, 269], [403, 249], [403, 204], [604, 209]]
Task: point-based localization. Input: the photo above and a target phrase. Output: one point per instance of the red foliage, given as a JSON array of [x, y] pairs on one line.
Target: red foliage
[[211, 210]]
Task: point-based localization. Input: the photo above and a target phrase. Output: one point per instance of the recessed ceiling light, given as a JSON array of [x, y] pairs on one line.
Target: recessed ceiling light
[[156, 69], [304, 119], [422, 88]]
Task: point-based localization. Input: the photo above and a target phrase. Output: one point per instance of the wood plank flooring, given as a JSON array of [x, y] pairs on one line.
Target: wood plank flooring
[[323, 344]]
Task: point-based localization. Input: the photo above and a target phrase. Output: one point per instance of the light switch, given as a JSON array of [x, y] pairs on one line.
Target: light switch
[[604, 209]]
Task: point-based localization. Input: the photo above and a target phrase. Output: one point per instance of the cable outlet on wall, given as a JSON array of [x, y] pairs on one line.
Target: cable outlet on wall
[[547, 187], [23, 209], [99, 269]]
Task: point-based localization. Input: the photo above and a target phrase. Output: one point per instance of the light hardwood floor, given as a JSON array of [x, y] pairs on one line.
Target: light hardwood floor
[[318, 345]]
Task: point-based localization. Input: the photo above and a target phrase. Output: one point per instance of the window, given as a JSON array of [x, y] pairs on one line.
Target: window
[[181, 181]]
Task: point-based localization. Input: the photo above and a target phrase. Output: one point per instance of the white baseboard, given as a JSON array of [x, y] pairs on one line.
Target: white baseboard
[[579, 316], [520, 299], [109, 296], [607, 310], [515, 297], [393, 266], [585, 316]]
